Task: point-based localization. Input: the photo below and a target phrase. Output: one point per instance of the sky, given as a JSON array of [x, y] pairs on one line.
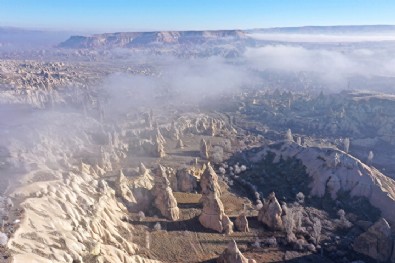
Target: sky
[[141, 15]]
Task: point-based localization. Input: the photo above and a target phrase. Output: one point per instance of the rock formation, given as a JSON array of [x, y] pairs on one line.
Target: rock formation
[[180, 144], [209, 181], [204, 152], [232, 254], [212, 130], [186, 181], [227, 224], [163, 195], [349, 175], [212, 216], [159, 149], [122, 188], [270, 213], [241, 223], [377, 242], [141, 187]]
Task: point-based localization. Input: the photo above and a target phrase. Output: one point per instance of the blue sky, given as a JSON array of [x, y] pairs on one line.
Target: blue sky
[[129, 15]]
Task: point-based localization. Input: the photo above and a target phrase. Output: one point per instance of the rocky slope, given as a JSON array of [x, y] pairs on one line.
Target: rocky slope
[[141, 39], [334, 172]]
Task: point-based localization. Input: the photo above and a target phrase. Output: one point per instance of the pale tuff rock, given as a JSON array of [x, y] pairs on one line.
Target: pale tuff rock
[[270, 213], [159, 137], [232, 254], [241, 223], [186, 181], [180, 144], [212, 130], [377, 242], [141, 188], [212, 213], [159, 148], [209, 181], [227, 225], [104, 160], [173, 132], [79, 211], [204, 152], [122, 188], [142, 169], [163, 195]]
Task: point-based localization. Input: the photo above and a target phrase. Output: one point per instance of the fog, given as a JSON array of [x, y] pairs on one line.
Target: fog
[[323, 38], [333, 65]]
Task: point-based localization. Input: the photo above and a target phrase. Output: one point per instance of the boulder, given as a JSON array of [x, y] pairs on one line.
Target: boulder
[[376, 242], [270, 213], [232, 254]]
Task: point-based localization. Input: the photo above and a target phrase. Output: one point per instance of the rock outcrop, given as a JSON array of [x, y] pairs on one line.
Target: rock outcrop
[[232, 254], [186, 181], [270, 213], [209, 181], [204, 152], [349, 175], [81, 212], [213, 215], [122, 188], [159, 149], [163, 196], [180, 144], [377, 242], [241, 223], [141, 186]]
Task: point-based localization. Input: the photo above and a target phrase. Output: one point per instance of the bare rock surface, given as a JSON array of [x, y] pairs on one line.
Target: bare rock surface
[[337, 171], [377, 242], [186, 180], [232, 254], [213, 212], [241, 223], [122, 188], [163, 196], [209, 181], [270, 213]]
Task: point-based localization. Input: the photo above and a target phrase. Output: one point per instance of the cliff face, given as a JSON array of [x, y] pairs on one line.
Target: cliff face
[[136, 39]]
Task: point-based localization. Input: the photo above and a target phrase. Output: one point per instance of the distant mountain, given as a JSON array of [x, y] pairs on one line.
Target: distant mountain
[[137, 39], [362, 29]]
